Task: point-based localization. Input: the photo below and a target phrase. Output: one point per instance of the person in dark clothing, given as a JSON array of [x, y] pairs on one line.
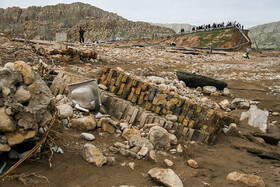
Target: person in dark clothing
[[81, 31]]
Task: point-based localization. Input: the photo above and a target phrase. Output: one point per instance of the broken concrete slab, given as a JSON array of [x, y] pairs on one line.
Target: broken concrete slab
[[256, 117]]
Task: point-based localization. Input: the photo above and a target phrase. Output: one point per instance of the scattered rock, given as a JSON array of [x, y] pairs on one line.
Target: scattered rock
[[6, 124], [232, 130], [224, 104], [119, 145], [226, 92], [209, 89], [153, 155], [192, 163], [93, 155], [135, 149], [250, 180], [275, 114], [131, 165], [256, 117], [173, 139], [19, 137], [111, 161], [166, 176], [85, 123], [159, 137], [107, 127], [103, 87], [239, 103], [168, 162], [64, 111], [87, 136], [140, 142], [130, 132], [26, 71], [173, 151], [143, 152], [4, 148], [22, 95], [179, 148]]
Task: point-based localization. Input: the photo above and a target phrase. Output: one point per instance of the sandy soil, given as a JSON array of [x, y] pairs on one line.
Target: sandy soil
[[228, 154]]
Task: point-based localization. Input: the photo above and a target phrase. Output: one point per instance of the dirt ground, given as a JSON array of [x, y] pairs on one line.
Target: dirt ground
[[228, 154]]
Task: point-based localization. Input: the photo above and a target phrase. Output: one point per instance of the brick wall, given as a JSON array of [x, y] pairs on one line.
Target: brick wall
[[194, 122]]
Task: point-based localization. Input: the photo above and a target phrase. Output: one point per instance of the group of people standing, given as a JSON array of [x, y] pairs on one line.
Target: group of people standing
[[216, 25]]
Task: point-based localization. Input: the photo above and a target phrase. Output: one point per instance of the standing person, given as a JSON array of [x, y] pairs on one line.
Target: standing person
[[246, 55], [81, 31]]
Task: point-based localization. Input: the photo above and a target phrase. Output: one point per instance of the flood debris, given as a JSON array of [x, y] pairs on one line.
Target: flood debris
[[194, 80], [256, 117], [26, 104]]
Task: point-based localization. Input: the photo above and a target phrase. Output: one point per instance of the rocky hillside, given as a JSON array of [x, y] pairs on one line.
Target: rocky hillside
[[266, 36], [44, 22], [175, 26]]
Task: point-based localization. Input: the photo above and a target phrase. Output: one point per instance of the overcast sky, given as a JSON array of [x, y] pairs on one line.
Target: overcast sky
[[196, 12]]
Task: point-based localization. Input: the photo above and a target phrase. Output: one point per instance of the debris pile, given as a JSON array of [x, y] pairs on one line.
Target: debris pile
[[26, 104]]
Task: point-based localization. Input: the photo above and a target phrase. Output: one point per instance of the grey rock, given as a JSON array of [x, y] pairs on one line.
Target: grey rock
[[224, 104], [209, 89], [159, 137], [64, 111], [143, 152], [173, 139], [140, 142], [111, 161], [179, 148], [87, 136], [119, 145], [153, 155], [166, 176]]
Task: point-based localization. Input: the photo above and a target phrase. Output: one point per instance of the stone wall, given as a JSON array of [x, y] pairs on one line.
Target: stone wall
[[193, 122]]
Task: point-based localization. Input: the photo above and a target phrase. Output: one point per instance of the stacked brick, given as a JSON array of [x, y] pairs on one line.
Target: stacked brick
[[194, 122]]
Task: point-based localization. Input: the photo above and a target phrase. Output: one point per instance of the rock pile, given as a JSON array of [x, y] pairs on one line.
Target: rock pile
[[26, 104]]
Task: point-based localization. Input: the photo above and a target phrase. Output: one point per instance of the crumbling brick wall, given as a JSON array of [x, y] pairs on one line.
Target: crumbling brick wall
[[199, 120]]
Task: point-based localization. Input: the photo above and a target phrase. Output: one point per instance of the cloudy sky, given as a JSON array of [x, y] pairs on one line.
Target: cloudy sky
[[196, 12]]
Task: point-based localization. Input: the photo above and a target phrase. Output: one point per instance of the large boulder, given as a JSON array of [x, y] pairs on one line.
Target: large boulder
[[159, 137], [166, 176]]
